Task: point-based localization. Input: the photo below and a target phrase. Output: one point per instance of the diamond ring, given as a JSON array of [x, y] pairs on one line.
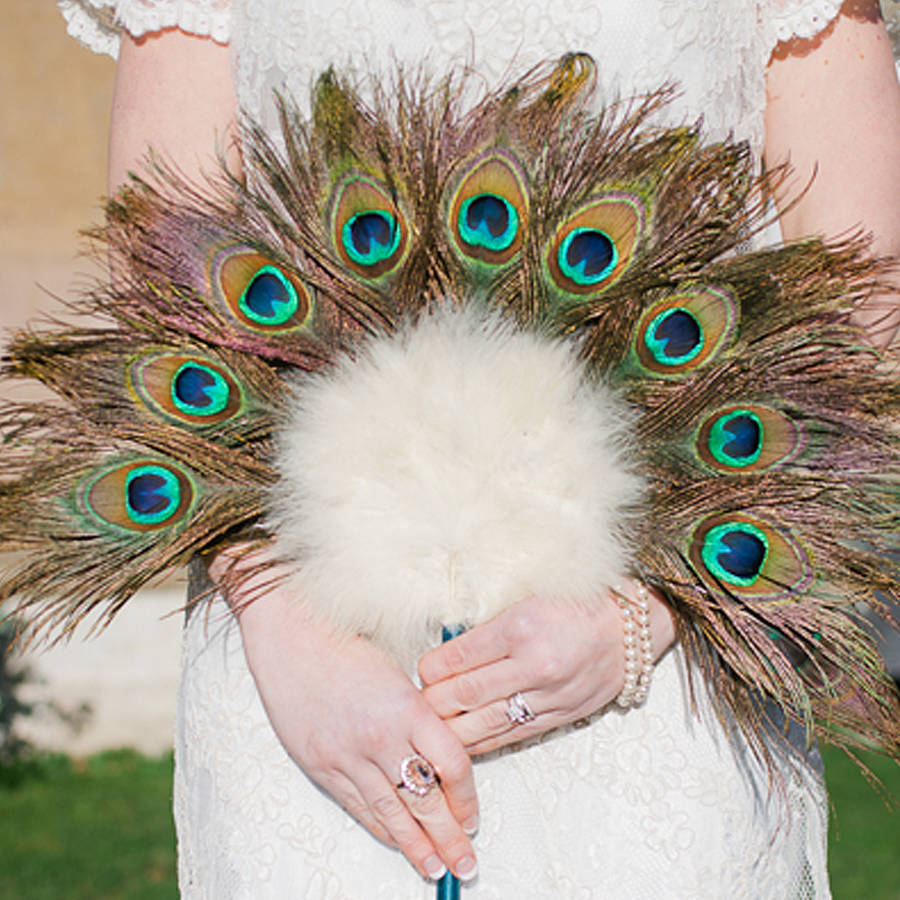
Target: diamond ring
[[517, 710]]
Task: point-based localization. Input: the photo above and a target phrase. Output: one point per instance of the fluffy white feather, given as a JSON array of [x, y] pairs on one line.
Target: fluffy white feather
[[448, 471]]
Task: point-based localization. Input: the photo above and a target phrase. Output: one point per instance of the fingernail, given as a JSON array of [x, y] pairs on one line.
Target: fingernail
[[466, 868], [470, 826], [435, 868]]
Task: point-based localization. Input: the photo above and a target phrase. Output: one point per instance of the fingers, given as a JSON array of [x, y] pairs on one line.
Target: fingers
[[454, 768], [479, 646], [345, 792], [474, 688], [451, 843], [490, 721], [423, 828]]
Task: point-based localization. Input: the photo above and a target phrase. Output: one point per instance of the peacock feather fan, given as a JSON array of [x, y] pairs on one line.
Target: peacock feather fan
[[442, 355]]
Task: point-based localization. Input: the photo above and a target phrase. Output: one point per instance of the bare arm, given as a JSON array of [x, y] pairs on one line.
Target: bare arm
[[834, 110], [173, 92], [343, 710]]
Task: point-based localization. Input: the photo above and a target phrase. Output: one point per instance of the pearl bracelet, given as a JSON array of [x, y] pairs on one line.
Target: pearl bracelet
[[638, 646]]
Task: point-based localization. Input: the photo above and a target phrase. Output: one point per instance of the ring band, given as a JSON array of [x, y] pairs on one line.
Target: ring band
[[517, 710], [417, 775]]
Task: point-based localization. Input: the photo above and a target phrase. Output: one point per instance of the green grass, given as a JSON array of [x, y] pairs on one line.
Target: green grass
[[92, 830], [864, 833], [102, 828]]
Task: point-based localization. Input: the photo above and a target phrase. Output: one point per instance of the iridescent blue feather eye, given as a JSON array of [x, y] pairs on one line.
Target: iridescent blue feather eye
[[736, 552], [200, 390], [748, 557], [269, 298], [742, 437], [587, 256], [487, 211], [685, 330], [736, 438], [369, 232], [489, 221], [674, 337], [152, 494], [747, 438], [593, 248], [193, 391], [261, 295], [371, 237], [139, 495]]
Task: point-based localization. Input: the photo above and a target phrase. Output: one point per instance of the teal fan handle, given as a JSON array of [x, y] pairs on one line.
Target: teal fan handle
[[448, 887]]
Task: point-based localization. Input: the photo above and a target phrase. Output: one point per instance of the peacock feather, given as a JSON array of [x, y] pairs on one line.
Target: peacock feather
[[455, 354]]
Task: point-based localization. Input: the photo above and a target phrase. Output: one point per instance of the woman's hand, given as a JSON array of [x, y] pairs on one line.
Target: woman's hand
[[348, 715], [566, 659]]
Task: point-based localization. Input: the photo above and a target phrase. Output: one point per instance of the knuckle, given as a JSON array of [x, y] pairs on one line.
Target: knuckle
[[455, 656], [426, 807], [414, 707], [456, 773], [374, 736], [386, 806], [495, 718], [467, 691], [316, 758], [456, 767], [523, 627], [456, 848], [550, 665]]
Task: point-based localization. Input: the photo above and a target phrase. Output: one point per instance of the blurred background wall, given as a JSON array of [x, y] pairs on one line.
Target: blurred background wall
[[53, 131]]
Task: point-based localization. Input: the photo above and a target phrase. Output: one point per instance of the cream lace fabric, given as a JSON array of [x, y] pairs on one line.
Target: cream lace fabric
[[715, 49], [651, 803]]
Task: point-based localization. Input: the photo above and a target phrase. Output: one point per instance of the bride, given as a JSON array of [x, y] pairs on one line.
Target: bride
[[291, 742]]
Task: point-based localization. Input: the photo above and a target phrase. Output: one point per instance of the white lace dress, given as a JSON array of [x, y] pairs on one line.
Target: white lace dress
[[650, 803]]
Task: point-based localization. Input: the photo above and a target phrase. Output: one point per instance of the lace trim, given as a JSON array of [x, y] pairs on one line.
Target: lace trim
[[789, 19], [98, 24]]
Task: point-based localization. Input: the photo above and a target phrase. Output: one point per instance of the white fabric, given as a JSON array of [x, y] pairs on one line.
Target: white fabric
[[645, 804], [715, 49], [98, 23], [649, 803]]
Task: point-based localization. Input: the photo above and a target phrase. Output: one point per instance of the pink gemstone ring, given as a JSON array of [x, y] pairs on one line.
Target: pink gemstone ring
[[417, 775]]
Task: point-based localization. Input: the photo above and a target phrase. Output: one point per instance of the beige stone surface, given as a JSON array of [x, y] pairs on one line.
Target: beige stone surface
[[128, 676], [53, 134]]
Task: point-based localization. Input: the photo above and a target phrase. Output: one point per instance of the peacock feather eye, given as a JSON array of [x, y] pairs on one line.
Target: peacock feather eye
[[488, 210], [369, 232], [139, 495], [735, 552], [199, 390], [736, 438], [674, 337], [269, 298], [747, 438], [260, 294], [682, 332], [593, 247], [749, 557], [190, 390]]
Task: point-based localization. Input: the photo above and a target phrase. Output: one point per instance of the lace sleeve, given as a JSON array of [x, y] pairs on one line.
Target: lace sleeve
[[786, 19], [98, 23]]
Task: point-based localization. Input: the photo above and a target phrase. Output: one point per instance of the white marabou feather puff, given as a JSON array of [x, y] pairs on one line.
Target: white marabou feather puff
[[447, 471]]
